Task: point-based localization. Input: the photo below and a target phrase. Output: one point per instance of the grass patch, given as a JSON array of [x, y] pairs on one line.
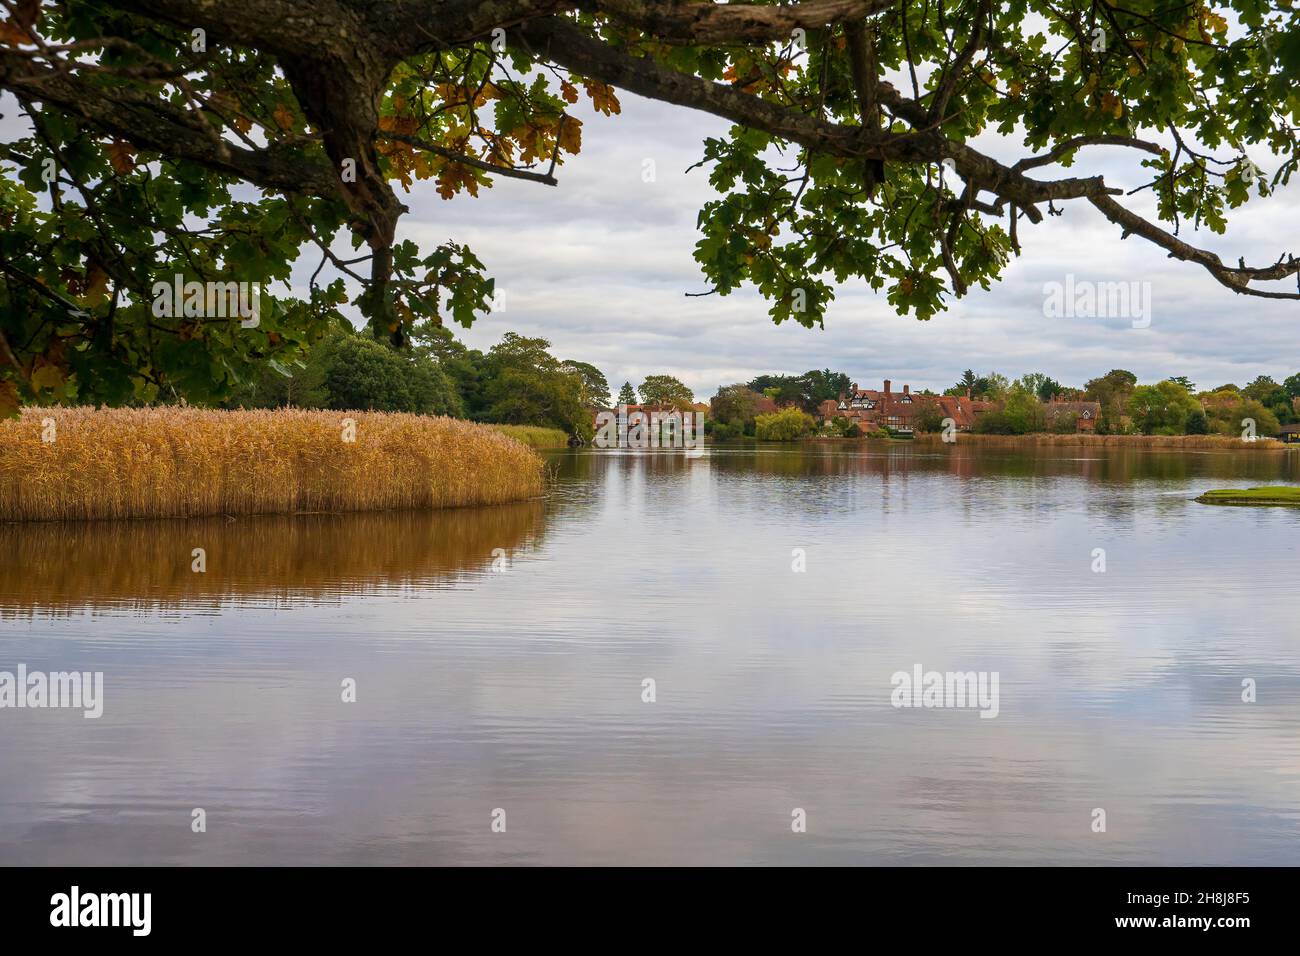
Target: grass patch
[[189, 462], [535, 436], [1270, 495]]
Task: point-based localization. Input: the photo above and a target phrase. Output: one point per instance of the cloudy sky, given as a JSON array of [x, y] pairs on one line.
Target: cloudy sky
[[600, 267]]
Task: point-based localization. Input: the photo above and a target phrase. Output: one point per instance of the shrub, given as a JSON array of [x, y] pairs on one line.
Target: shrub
[[786, 425]]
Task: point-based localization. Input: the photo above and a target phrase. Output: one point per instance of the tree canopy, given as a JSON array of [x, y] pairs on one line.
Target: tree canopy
[[219, 140]]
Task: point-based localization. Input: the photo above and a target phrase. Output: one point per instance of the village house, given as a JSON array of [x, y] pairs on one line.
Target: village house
[[899, 411], [1085, 414]]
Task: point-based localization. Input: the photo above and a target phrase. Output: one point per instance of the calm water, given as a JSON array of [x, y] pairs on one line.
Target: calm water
[[521, 689]]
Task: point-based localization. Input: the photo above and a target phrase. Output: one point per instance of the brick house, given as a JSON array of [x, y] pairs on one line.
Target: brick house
[[1086, 414], [899, 411]]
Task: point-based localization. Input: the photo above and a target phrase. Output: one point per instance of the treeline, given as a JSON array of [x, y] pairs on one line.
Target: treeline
[[1170, 407], [516, 382]]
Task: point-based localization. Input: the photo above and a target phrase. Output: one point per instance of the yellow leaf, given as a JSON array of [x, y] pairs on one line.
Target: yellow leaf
[[571, 135], [46, 376]]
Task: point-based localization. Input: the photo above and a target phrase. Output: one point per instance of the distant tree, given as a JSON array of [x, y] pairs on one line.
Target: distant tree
[[1185, 382], [1292, 385], [1229, 388], [367, 375], [787, 424], [734, 405], [1265, 391], [666, 390], [994, 386], [820, 386], [463, 366], [1161, 409], [1112, 392], [782, 389], [627, 395], [1197, 423], [845, 427], [595, 389], [1228, 418], [929, 418], [525, 385], [1044, 386], [1019, 414], [969, 381]]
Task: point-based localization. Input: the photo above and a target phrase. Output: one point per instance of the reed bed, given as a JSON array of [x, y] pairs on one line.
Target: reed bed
[[535, 436], [189, 462], [1173, 442]]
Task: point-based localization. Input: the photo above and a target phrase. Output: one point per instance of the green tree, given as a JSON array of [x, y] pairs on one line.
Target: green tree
[[734, 405], [1292, 385], [1112, 391], [463, 366], [1265, 391], [787, 424], [929, 418], [666, 390], [137, 145], [595, 389], [1162, 409], [366, 375], [525, 385], [627, 395], [1197, 422]]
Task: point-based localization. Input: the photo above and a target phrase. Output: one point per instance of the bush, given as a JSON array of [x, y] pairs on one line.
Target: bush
[[727, 431], [786, 425], [845, 427]]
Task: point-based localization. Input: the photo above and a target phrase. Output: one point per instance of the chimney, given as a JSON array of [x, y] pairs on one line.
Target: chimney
[[886, 389], [968, 394], [907, 389]]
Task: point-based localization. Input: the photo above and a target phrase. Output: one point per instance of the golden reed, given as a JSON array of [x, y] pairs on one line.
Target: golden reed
[[84, 463]]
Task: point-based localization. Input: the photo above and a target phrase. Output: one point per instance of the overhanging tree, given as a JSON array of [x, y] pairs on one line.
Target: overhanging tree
[[218, 139]]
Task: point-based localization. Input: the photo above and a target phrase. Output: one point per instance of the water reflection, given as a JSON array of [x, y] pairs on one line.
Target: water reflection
[[523, 690], [61, 566]]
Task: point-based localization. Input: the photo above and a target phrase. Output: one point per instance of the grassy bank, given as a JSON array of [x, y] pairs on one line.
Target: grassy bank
[[535, 436], [1270, 495], [169, 462], [1223, 442]]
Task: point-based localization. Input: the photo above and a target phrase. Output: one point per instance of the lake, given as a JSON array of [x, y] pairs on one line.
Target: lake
[[499, 661]]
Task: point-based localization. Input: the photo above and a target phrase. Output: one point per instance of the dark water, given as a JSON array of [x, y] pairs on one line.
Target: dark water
[[521, 688]]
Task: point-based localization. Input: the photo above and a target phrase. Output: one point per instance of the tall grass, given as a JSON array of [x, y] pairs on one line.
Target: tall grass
[[535, 436], [168, 462], [1224, 442]]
